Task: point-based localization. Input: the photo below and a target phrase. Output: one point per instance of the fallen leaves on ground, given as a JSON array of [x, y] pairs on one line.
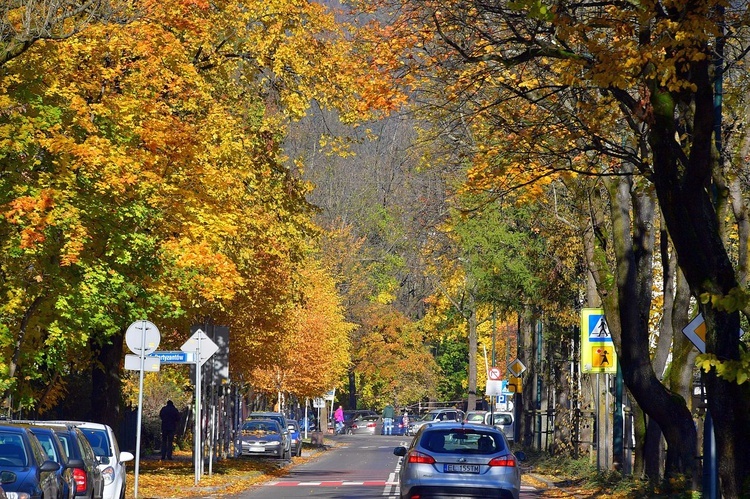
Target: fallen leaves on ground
[[176, 479]]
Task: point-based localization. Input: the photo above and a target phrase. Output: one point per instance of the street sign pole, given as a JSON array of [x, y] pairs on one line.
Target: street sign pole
[[198, 455], [142, 337]]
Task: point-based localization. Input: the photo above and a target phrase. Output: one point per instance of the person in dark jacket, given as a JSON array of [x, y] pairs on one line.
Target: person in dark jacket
[[170, 416]]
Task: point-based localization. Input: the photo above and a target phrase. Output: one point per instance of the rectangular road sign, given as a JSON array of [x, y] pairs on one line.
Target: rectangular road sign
[[175, 357], [597, 349]]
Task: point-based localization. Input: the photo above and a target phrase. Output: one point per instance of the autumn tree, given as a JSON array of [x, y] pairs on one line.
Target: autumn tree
[[603, 87]]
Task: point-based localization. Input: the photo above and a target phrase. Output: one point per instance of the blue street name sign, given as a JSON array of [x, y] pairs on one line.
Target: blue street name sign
[[176, 357]]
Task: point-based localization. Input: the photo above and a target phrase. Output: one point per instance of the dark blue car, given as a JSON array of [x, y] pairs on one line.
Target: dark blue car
[[25, 468], [399, 428]]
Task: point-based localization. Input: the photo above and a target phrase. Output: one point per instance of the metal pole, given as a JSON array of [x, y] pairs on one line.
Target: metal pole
[[197, 436], [140, 409]]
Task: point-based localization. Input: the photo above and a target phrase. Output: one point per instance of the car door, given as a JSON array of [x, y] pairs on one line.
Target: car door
[[92, 466], [48, 480]]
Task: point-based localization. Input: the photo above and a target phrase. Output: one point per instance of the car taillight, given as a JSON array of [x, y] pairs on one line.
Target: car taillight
[[503, 461], [420, 458], [81, 479], [371, 425]]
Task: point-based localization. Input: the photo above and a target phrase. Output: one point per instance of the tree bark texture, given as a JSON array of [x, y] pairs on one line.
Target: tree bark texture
[[629, 304], [682, 183]]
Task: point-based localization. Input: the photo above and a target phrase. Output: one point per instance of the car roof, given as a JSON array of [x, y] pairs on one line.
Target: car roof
[[453, 424]]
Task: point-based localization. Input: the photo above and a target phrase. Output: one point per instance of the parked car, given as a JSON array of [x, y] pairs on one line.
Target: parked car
[[364, 425], [352, 414], [262, 437], [503, 421], [111, 459], [447, 414], [25, 468], [89, 478], [296, 436], [456, 459], [56, 452], [281, 419], [399, 427], [476, 416]]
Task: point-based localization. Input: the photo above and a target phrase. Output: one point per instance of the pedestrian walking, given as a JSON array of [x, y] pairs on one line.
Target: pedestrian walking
[[388, 414], [170, 416], [338, 419]]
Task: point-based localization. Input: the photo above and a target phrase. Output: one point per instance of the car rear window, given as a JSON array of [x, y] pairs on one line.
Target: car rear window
[[462, 441]]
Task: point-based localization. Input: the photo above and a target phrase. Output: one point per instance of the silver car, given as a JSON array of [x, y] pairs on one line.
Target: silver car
[[459, 460], [263, 437], [445, 414]]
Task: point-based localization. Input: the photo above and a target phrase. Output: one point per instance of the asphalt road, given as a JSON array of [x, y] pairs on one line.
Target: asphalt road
[[359, 466]]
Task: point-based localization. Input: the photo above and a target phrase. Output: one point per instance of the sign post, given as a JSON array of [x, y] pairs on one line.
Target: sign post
[[202, 347], [142, 338]]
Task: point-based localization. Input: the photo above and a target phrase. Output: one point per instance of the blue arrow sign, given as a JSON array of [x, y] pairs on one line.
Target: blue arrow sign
[[176, 357]]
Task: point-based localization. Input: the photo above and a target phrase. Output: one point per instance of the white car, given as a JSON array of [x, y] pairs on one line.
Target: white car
[[111, 460]]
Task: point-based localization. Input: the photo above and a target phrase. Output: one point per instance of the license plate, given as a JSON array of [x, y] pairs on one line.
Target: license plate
[[257, 448], [461, 468]]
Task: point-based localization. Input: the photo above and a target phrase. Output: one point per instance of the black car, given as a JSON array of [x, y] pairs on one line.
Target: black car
[[25, 468], [54, 448], [88, 477]]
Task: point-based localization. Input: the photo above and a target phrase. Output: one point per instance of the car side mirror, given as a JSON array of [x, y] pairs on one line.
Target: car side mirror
[[126, 456], [400, 451], [103, 459], [7, 477], [520, 456], [49, 466]]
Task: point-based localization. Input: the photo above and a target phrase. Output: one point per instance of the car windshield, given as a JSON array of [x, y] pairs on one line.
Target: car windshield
[[475, 417], [260, 427], [462, 441], [99, 441], [12, 451]]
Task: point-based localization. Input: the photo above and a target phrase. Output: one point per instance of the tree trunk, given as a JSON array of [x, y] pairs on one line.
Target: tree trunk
[[106, 384], [629, 305], [471, 322], [683, 187]]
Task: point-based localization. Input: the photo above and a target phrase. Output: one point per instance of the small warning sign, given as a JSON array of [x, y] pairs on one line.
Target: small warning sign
[[601, 356]]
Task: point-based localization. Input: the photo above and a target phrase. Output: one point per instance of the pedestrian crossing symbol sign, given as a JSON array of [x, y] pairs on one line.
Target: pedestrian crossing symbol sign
[[597, 349]]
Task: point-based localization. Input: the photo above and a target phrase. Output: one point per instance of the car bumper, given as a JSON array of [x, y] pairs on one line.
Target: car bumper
[[253, 450], [439, 492]]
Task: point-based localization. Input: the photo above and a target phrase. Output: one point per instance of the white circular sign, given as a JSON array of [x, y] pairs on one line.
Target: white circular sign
[[494, 373], [142, 336]]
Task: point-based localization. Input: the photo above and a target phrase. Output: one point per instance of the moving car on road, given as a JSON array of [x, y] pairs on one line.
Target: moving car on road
[[454, 459], [364, 425], [434, 415]]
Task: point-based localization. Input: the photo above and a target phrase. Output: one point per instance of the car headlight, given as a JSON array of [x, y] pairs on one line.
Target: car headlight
[[108, 474], [17, 495], [272, 444]]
